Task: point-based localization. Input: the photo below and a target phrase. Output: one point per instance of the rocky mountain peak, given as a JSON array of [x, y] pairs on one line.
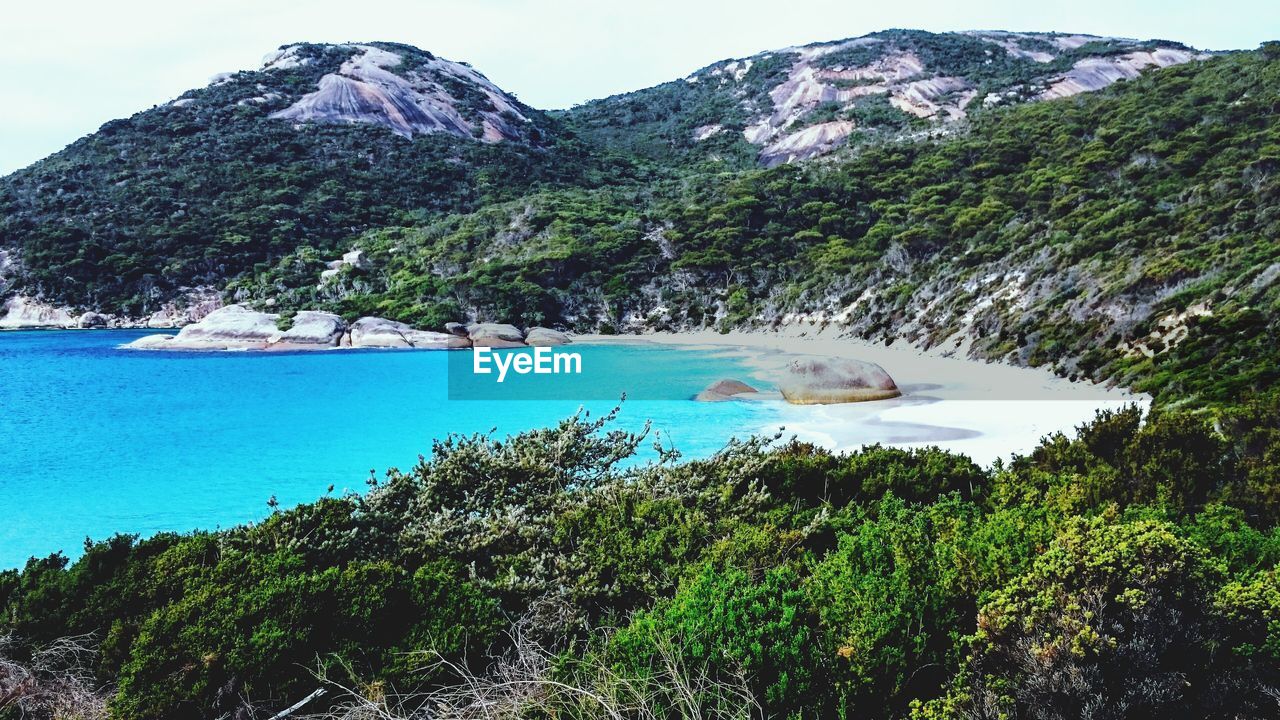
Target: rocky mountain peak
[[409, 91], [813, 97]]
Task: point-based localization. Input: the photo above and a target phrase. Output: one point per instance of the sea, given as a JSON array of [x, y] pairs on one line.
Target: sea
[[98, 440]]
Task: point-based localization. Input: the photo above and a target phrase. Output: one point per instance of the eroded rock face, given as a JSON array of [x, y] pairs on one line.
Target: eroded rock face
[[821, 381], [21, 312], [546, 337], [722, 390], [835, 78], [495, 335], [368, 89], [1096, 73]]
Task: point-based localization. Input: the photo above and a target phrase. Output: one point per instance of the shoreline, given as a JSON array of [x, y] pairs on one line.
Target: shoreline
[[986, 410], [983, 409]]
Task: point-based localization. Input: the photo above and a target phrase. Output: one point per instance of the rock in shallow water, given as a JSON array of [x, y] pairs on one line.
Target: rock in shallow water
[[371, 332], [819, 381], [540, 336], [495, 335], [234, 327], [722, 390]]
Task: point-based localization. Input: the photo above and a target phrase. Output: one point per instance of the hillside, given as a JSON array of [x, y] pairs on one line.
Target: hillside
[[1129, 570], [1123, 235], [1119, 235], [324, 142], [801, 102], [321, 143]]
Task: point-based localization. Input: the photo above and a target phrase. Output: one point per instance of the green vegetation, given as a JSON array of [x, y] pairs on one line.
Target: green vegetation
[[1129, 571], [1132, 570], [1125, 235], [210, 188]]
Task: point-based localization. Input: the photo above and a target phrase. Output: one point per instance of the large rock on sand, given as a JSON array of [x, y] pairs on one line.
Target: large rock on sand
[[819, 381], [546, 337], [371, 332], [722, 390], [495, 335]]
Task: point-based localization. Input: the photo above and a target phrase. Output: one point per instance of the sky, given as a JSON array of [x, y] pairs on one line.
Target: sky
[[67, 66]]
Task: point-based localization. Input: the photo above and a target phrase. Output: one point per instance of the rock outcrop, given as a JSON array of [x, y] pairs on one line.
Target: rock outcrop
[[545, 337], [372, 332], [353, 259], [821, 381], [233, 327], [376, 86], [817, 92], [311, 328], [193, 305], [92, 320], [25, 313], [722, 390], [237, 327], [495, 335], [1096, 73]]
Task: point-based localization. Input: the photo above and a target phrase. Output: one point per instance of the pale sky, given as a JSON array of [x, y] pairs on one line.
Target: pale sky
[[67, 66]]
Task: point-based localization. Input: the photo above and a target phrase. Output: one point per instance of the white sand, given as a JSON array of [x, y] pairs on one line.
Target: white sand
[[984, 410]]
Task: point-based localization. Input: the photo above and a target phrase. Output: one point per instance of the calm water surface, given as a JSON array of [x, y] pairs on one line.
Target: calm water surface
[[98, 440]]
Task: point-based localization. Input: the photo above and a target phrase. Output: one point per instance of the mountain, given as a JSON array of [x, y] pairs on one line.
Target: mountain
[[324, 142], [319, 144], [800, 102], [1128, 569], [1123, 235], [1119, 235], [404, 89]]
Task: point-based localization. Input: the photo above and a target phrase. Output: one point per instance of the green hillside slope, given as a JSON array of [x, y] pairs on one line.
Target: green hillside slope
[[1127, 234], [205, 188]]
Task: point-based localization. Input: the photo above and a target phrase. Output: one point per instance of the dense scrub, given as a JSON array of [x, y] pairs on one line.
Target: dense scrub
[[1129, 572]]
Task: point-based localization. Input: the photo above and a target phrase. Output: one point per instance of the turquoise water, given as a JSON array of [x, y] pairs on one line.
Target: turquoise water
[[98, 440]]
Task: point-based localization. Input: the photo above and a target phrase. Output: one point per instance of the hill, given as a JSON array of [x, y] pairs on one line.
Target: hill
[[321, 143], [1129, 570], [324, 142], [1123, 235], [801, 102]]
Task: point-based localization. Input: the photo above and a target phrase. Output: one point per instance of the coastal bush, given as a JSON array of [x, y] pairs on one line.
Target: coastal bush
[[879, 583], [892, 605], [1086, 632]]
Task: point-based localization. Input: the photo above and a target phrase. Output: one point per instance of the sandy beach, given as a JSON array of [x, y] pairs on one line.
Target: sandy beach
[[984, 410]]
